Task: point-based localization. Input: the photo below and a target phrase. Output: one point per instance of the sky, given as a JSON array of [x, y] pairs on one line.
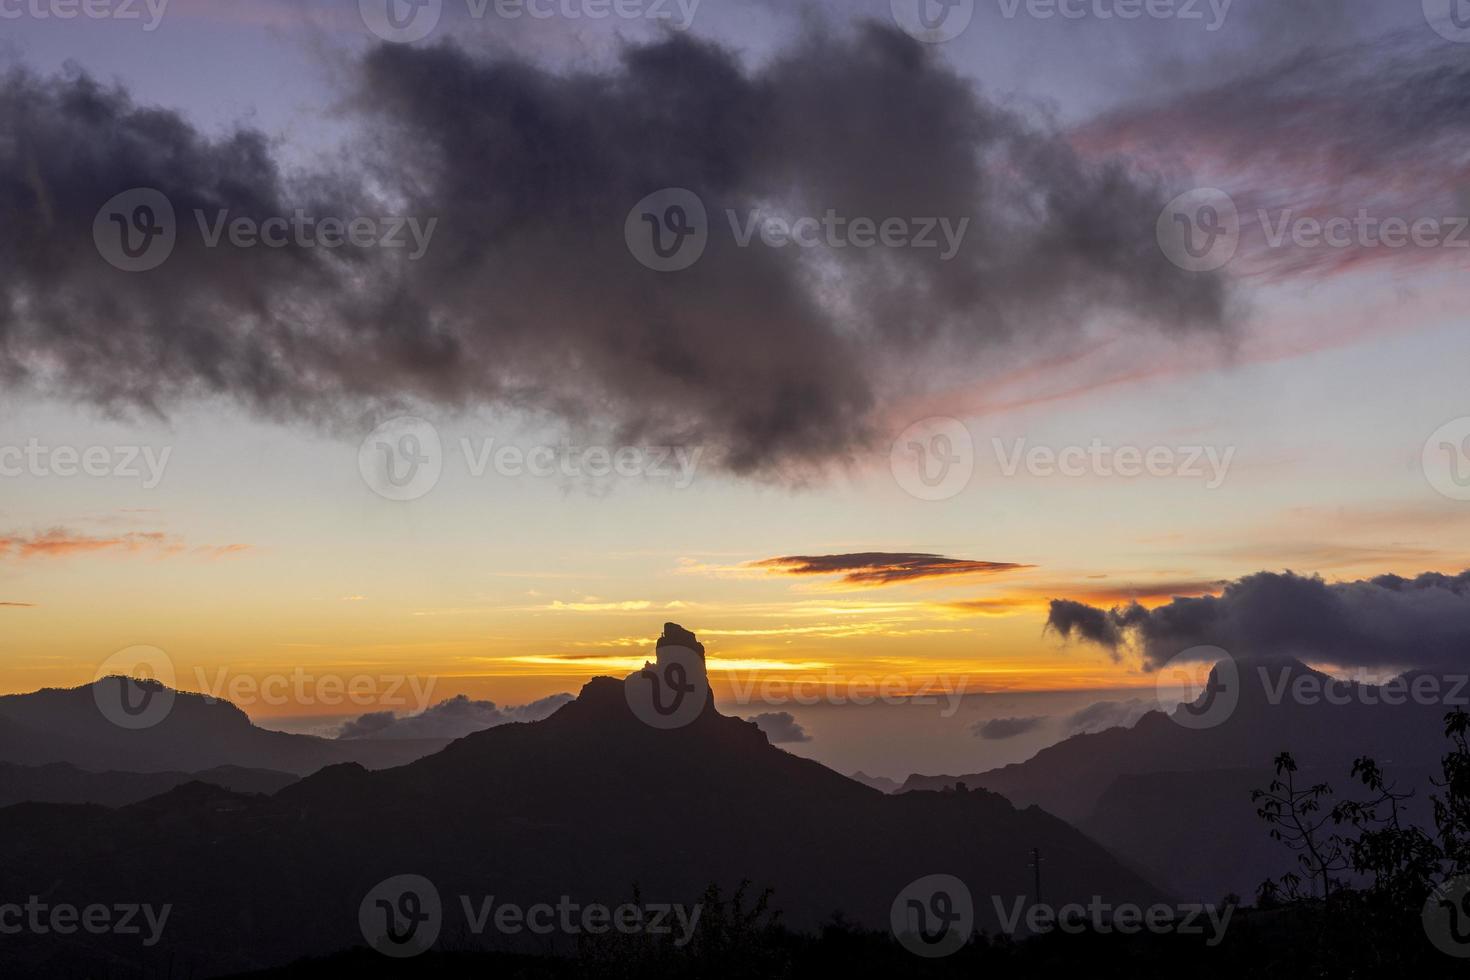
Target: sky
[[837, 462]]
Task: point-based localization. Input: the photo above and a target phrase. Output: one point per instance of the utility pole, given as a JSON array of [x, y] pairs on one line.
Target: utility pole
[[1036, 872]]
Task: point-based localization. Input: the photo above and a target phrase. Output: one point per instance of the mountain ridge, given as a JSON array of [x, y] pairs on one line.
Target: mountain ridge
[[591, 802], [65, 725]]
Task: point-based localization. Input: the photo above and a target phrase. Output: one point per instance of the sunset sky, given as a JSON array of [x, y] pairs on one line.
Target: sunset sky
[[1318, 372]]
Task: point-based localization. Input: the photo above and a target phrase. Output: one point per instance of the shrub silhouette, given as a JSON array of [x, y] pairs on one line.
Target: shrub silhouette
[[1363, 872]]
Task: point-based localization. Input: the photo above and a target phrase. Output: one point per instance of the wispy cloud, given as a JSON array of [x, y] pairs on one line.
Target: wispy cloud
[[593, 604], [1322, 135], [1144, 593], [1000, 606], [997, 729], [627, 664], [221, 550], [1109, 714], [1038, 598], [59, 542]]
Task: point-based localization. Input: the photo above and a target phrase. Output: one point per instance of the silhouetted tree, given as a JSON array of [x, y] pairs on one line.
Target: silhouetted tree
[[1370, 924], [1297, 819]]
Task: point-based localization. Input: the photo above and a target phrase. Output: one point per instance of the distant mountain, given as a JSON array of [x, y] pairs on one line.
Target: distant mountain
[[1197, 833], [881, 783], [60, 782], [198, 733], [588, 803], [1175, 801]]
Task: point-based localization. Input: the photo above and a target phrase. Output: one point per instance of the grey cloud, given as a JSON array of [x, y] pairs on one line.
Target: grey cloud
[[1078, 620], [528, 299], [780, 727], [1109, 714], [1388, 621], [996, 729], [454, 718]]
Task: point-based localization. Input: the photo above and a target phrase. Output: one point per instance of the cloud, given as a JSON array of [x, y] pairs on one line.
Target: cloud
[[1109, 714], [1083, 622], [997, 729], [1039, 597], [454, 718], [1002, 606], [222, 550], [1141, 592], [1387, 621], [17, 605], [59, 542], [1324, 133], [780, 727], [528, 299], [632, 605], [883, 568]]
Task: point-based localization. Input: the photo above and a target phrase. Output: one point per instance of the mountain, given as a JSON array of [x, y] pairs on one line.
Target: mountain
[[881, 783], [589, 803], [1197, 833], [197, 733], [1070, 777], [1175, 801], [60, 782]]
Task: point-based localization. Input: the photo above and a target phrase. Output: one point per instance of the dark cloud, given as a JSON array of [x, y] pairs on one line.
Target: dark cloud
[[780, 727], [1388, 621], [883, 568], [528, 298], [1002, 728], [1109, 714], [246, 324], [1078, 620], [454, 718]]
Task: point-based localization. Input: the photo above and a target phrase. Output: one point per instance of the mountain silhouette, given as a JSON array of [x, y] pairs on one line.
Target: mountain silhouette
[[61, 782], [1175, 801], [590, 803], [881, 783], [57, 725]]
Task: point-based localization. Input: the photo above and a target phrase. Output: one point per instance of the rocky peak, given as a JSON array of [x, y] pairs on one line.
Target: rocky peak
[[675, 635]]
